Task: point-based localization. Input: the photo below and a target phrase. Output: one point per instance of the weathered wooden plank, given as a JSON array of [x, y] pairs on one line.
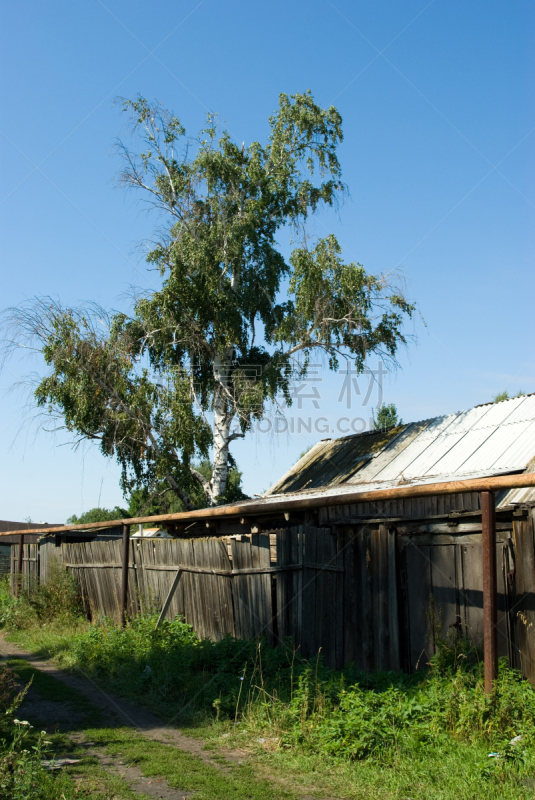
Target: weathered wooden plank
[[524, 594], [281, 586], [503, 627], [366, 626], [444, 589], [308, 640], [330, 597], [471, 595], [339, 656], [380, 597], [262, 559], [295, 582], [418, 571], [394, 661], [321, 637]]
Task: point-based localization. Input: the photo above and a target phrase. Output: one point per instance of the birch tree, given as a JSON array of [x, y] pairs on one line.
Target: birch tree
[[193, 365]]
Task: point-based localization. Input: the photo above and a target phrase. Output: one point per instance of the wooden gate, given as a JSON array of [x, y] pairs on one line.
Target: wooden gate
[[370, 598], [441, 588], [310, 592], [241, 587], [30, 565], [223, 589]]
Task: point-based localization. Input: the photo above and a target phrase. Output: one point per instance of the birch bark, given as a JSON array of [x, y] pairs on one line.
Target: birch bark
[[223, 416]]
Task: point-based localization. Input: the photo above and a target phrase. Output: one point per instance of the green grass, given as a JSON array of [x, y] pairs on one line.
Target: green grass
[[385, 735], [188, 772], [180, 769]]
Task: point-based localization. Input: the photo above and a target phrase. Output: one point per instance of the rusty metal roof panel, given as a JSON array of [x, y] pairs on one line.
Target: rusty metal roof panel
[[334, 462], [523, 410], [399, 463], [464, 447], [489, 437], [507, 448], [405, 465]]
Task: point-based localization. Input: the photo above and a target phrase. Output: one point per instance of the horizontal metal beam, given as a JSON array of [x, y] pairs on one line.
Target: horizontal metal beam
[[305, 502]]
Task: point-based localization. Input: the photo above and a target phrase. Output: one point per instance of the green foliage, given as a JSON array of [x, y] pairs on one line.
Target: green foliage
[[171, 665], [424, 736], [501, 396], [386, 417], [59, 597], [98, 515], [174, 382], [159, 499], [56, 601]]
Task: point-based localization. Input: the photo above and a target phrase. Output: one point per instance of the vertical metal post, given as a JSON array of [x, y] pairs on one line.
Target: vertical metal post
[[18, 577], [126, 558], [490, 618]]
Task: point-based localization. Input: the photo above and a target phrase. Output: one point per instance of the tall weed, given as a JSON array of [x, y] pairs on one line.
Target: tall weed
[[300, 706], [22, 776], [41, 603]]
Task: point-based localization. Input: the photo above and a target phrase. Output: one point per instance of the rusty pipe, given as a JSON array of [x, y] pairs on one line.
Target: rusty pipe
[[304, 501], [490, 616]]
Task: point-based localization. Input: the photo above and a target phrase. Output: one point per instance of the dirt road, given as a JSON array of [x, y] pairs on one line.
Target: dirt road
[[130, 747]]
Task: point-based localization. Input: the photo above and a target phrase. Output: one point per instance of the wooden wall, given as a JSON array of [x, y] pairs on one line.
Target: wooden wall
[[415, 508], [521, 577], [376, 593]]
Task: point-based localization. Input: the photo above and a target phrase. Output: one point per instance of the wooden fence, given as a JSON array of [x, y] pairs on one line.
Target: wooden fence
[[287, 583], [374, 594], [30, 566]]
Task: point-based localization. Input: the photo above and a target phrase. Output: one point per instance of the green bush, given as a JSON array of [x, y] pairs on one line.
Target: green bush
[[346, 714], [172, 666], [440, 714], [57, 599]]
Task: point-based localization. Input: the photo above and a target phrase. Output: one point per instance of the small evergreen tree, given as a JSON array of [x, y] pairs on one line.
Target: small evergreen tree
[[386, 417]]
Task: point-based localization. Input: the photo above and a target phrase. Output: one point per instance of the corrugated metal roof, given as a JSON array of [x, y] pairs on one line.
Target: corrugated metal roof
[[334, 461], [491, 439]]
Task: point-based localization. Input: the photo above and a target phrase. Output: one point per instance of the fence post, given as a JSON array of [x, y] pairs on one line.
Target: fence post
[[490, 617], [126, 558], [18, 578]]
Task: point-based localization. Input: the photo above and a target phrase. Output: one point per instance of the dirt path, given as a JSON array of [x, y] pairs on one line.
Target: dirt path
[[132, 775], [116, 712]]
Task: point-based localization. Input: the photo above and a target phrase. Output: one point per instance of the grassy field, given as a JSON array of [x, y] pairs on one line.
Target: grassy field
[[346, 735]]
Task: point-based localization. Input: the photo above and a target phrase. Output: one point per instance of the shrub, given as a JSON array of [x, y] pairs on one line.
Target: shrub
[[57, 599]]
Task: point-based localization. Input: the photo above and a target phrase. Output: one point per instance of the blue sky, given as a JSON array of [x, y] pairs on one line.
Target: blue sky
[[439, 124]]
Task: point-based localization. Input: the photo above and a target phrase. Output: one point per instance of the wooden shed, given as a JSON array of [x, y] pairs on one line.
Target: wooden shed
[[381, 580], [321, 558]]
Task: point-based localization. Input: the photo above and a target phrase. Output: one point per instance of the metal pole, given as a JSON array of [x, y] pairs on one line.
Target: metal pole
[[124, 586], [18, 578], [490, 619]]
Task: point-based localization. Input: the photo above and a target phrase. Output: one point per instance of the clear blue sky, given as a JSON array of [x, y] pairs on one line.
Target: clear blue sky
[[438, 111]]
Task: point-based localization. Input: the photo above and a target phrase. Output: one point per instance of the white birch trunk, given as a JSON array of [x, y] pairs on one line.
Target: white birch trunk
[[223, 415]]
